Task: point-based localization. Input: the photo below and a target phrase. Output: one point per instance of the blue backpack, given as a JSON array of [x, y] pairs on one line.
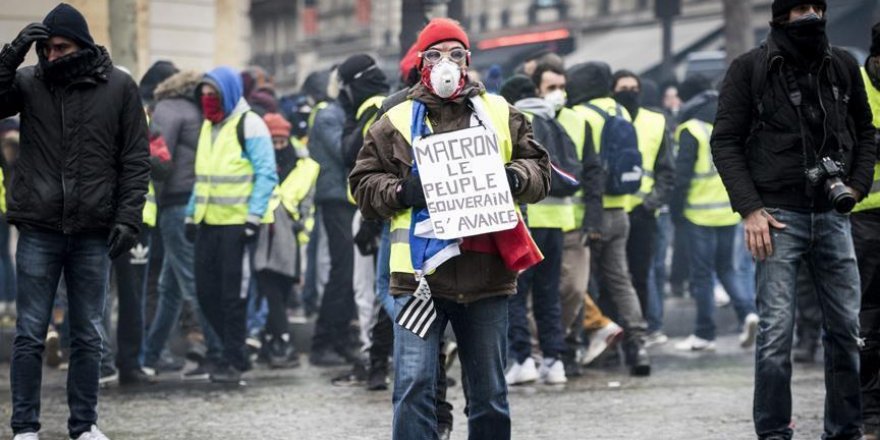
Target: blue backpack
[[619, 154]]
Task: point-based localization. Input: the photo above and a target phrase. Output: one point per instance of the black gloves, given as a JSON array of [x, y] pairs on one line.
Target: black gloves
[[122, 238], [514, 180], [367, 237], [410, 193], [251, 229], [30, 34]]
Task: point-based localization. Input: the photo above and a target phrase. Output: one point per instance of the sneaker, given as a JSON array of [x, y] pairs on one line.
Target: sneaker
[[201, 373], [636, 357], [552, 372], [53, 349], [601, 340], [722, 299], [109, 376], [694, 343], [450, 350], [93, 434], [135, 377], [377, 379], [655, 338], [522, 373], [750, 331], [169, 363], [227, 375], [27, 436], [280, 352]]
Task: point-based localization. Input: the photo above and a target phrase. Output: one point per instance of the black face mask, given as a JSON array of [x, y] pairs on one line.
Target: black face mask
[[808, 34], [630, 100], [68, 67]]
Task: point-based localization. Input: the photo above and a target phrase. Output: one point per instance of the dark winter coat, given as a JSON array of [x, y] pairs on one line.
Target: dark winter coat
[[84, 162], [180, 121], [757, 145]]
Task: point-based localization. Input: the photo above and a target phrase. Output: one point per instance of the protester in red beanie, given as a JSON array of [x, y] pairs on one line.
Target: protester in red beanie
[[450, 290]]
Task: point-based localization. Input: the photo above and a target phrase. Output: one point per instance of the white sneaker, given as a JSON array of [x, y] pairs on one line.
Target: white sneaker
[[750, 331], [655, 338], [27, 436], [552, 372], [522, 373], [694, 343], [600, 340], [721, 297], [94, 434]]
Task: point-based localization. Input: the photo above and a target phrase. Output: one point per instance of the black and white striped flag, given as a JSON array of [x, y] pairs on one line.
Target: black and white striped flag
[[418, 314]]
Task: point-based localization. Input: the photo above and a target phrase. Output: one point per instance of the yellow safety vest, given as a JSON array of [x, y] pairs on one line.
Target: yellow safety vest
[[2, 193], [575, 127], [597, 123], [873, 199], [320, 106], [151, 210], [375, 101], [552, 212], [301, 145], [296, 188], [224, 177], [650, 127], [707, 200], [401, 118]]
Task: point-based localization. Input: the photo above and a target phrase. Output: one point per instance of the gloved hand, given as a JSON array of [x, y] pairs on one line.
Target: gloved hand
[[367, 237], [31, 33], [191, 231], [514, 180], [410, 193], [122, 238], [590, 236], [251, 229]]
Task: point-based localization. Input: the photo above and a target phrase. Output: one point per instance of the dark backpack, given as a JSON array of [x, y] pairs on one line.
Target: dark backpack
[[619, 154], [563, 156]]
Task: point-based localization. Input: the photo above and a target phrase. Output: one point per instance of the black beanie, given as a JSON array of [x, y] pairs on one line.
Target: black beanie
[[875, 40], [693, 86], [518, 87], [354, 65], [158, 72], [65, 21], [783, 7]]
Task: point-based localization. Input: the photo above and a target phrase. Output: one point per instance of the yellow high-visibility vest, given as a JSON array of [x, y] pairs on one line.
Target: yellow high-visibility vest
[[151, 209], [597, 123], [2, 192], [294, 190], [552, 212], [650, 127], [375, 101], [224, 177], [872, 201], [401, 118], [575, 127], [707, 200]]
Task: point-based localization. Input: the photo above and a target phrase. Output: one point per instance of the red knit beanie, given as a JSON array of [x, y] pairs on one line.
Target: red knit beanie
[[278, 126], [439, 30]]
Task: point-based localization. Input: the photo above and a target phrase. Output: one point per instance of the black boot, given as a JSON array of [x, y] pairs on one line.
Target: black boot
[[637, 358], [378, 375], [281, 352]]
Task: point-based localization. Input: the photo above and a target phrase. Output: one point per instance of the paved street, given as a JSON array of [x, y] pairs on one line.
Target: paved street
[[689, 397]]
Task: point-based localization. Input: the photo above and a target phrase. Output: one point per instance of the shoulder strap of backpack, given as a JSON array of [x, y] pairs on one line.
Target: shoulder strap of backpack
[[598, 110], [239, 128]]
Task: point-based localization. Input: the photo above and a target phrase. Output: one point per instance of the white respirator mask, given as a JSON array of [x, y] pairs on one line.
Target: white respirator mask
[[445, 78], [556, 98]]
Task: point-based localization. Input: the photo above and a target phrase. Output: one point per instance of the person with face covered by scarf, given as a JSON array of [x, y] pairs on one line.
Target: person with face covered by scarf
[[655, 146], [79, 192], [473, 301], [782, 108]]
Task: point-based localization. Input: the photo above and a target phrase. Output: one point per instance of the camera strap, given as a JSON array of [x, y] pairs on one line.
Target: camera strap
[[797, 100]]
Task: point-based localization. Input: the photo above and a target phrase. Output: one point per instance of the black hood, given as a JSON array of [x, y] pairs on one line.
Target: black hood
[[65, 21], [155, 75], [588, 81], [315, 85], [703, 107]]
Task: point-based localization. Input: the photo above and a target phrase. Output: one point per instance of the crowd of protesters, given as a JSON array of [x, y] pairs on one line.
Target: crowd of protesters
[[181, 225]]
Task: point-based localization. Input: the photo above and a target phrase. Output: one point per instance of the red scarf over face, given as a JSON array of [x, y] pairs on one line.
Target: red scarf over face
[[212, 108]]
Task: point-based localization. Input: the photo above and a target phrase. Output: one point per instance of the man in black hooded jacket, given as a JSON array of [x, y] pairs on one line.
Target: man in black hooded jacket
[[78, 197], [783, 107]]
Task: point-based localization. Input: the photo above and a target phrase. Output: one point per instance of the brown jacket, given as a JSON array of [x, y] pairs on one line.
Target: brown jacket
[[385, 160]]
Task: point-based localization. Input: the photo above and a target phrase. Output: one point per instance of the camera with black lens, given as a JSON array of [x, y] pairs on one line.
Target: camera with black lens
[[827, 174]]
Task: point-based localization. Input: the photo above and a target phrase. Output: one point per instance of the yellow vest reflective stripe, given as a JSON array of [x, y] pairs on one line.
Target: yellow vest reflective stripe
[[576, 129], [224, 177], [873, 199], [320, 106], [552, 212], [597, 123], [707, 201], [375, 101], [151, 210], [2, 193], [650, 127], [401, 118]]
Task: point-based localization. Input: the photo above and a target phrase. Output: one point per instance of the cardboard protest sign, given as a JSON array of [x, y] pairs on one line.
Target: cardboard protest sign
[[465, 184]]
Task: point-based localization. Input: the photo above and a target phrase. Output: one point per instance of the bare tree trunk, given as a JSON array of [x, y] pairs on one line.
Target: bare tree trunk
[[123, 35], [739, 34]]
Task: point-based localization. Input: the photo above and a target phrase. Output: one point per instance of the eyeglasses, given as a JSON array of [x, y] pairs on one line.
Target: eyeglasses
[[456, 55]]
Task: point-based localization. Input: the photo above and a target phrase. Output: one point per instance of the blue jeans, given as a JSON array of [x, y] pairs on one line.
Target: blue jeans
[[825, 240], [658, 274], [481, 331], [40, 259], [7, 274], [713, 255], [177, 281], [383, 271]]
